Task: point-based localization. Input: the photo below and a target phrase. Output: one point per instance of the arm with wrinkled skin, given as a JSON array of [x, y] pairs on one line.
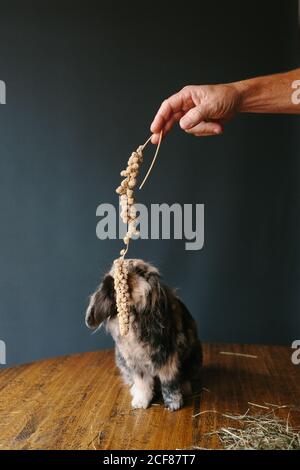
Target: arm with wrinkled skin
[[204, 109]]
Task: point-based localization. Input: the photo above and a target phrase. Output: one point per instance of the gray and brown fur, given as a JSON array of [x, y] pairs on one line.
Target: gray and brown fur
[[162, 344]]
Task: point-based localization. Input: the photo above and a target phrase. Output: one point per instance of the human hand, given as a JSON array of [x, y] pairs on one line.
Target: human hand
[[201, 110]]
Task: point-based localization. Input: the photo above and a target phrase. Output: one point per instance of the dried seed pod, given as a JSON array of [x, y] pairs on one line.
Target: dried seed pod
[[131, 183], [128, 215], [121, 272]]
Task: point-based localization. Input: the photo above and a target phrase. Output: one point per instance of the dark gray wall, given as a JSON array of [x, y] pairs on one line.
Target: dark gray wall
[[83, 83]]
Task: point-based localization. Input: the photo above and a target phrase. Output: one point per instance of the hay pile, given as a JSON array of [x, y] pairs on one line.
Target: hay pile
[[262, 431]]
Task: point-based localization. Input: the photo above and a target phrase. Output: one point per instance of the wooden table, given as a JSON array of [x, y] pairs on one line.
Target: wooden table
[[80, 402]]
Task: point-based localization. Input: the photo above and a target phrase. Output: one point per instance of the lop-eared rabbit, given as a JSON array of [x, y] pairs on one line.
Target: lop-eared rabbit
[[162, 344]]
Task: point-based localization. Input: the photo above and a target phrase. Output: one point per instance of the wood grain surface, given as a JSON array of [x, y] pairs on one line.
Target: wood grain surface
[[80, 402]]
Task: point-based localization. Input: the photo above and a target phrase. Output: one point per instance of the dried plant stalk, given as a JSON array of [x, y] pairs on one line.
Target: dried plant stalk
[[229, 353], [122, 294], [129, 217]]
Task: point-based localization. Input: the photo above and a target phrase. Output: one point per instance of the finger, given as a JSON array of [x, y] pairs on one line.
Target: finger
[[192, 118], [206, 128], [180, 101], [157, 124], [168, 107], [168, 126], [170, 123], [155, 139]]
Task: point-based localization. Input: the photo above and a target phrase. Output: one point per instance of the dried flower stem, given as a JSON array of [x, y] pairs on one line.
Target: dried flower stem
[[122, 294], [129, 217], [153, 161]]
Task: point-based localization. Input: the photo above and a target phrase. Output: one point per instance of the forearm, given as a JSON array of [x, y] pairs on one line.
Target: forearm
[[270, 94]]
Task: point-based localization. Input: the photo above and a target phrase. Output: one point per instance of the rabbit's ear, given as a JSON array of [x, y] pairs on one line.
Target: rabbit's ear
[[102, 303]]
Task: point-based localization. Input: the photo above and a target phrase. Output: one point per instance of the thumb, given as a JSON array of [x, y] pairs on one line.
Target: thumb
[[206, 128], [193, 117]]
